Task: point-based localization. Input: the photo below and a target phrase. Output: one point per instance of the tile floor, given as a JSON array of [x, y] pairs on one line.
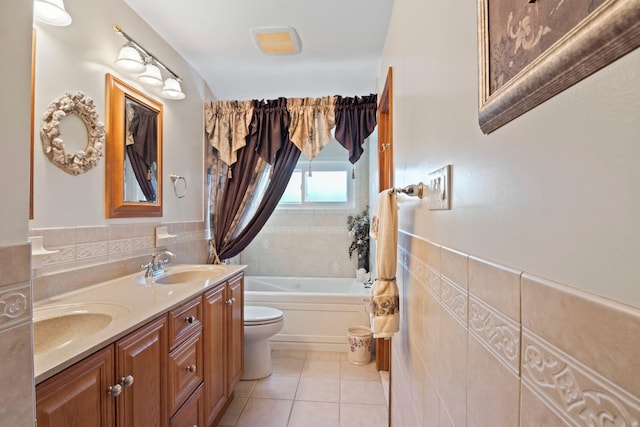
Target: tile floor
[[310, 389]]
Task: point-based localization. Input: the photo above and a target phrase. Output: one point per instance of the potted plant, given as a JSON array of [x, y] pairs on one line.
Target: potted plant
[[358, 227]]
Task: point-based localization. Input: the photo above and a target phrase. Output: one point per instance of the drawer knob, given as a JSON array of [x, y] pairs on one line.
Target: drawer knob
[[127, 381], [230, 301], [191, 368], [115, 390], [190, 319]]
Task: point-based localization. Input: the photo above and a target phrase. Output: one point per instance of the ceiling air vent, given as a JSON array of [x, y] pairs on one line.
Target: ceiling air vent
[[277, 40]]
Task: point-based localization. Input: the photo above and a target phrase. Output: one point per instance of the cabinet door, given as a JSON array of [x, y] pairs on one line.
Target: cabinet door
[[78, 397], [191, 413], [215, 325], [143, 355], [185, 370], [235, 351]]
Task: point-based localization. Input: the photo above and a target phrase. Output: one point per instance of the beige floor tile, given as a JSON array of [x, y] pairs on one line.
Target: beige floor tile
[[232, 413], [321, 368], [265, 413], [288, 354], [319, 390], [314, 414], [354, 415], [352, 371], [275, 387], [362, 391], [324, 355], [287, 366], [244, 388]]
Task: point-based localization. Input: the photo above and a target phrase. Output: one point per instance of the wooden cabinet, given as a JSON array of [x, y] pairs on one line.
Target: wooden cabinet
[[77, 396], [142, 355], [185, 369], [223, 344], [235, 331], [192, 412], [123, 382], [178, 370], [215, 378]]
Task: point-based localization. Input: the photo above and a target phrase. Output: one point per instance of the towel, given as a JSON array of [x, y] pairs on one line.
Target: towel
[[385, 300]]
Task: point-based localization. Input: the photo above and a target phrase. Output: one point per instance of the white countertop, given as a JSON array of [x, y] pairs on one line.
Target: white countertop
[[133, 301]]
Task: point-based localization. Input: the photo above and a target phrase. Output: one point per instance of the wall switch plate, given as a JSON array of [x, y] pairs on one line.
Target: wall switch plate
[[438, 188]]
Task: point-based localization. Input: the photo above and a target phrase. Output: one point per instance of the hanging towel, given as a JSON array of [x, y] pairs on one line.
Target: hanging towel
[[385, 300]]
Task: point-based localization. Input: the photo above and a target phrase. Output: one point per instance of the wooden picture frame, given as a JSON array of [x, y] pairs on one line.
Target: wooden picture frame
[[116, 205], [531, 51]]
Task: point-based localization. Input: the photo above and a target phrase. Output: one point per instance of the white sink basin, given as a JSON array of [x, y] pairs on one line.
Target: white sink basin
[[59, 326]]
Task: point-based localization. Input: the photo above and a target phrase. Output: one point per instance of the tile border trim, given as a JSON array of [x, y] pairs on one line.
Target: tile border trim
[[576, 393], [15, 305], [496, 332]]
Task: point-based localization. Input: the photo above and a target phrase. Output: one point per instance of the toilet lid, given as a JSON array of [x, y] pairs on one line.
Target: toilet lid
[[256, 314]]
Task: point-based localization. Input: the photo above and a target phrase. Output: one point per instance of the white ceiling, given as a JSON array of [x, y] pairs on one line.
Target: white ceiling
[[342, 42]]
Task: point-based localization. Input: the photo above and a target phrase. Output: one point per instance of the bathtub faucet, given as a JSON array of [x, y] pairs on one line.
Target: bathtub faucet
[[156, 265]]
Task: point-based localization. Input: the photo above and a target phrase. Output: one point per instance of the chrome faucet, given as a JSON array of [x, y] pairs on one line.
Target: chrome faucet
[[156, 265]]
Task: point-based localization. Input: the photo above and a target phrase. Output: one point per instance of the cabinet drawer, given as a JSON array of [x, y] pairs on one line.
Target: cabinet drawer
[[192, 412], [185, 370], [184, 320]]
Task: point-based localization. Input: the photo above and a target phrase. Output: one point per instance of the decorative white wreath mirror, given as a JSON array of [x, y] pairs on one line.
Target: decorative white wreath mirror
[[82, 160]]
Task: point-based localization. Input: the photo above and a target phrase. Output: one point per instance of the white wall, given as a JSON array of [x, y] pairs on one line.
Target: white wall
[[76, 58], [14, 121], [554, 192]]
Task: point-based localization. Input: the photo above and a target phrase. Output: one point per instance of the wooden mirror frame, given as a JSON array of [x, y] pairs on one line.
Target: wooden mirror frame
[[115, 206]]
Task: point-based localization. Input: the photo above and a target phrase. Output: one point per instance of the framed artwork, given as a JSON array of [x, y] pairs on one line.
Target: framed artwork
[[531, 50]]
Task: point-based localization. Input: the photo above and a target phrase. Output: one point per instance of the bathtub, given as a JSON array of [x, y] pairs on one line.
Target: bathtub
[[317, 310]]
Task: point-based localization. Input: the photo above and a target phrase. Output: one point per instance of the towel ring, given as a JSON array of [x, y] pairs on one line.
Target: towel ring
[[175, 178]]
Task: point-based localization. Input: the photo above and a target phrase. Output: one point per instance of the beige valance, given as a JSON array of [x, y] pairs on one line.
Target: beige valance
[[227, 124], [312, 120]]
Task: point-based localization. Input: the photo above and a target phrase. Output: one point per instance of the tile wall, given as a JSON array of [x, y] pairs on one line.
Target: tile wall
[[317, 240], [88, 255], [15, 335], [482, 344]]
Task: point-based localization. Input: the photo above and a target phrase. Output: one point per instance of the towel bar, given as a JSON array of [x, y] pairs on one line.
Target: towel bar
[[414, 190]]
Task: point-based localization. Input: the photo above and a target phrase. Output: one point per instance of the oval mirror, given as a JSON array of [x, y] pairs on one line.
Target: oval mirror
[[133, 152]]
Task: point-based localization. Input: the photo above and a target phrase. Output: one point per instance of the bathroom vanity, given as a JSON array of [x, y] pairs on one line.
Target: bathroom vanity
[[171, 356]]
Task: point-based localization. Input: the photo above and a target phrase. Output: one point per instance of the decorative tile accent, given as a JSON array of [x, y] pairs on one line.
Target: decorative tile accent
[[120, 246], [15, 305], [64, 255], [91, 250], [496, 332], [574, 391], [454, 300], [598, 332]]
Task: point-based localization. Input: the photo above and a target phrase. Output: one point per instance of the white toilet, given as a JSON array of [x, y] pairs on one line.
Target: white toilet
[[260, 324]]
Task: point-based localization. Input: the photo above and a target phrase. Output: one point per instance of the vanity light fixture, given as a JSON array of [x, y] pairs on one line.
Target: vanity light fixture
[[134, 58], [151, 76], [51, 12], [129, 60], [171, 89]]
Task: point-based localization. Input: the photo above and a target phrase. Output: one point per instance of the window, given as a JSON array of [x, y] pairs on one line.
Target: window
[[324, 185]]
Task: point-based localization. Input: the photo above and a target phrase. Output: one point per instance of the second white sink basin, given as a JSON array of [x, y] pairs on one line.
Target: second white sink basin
[[187, 276]]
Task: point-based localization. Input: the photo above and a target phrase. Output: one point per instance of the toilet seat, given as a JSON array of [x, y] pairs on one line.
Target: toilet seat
[[257, 315]]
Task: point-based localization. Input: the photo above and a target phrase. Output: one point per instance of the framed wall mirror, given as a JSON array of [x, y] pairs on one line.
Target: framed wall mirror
[[133, 152]]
